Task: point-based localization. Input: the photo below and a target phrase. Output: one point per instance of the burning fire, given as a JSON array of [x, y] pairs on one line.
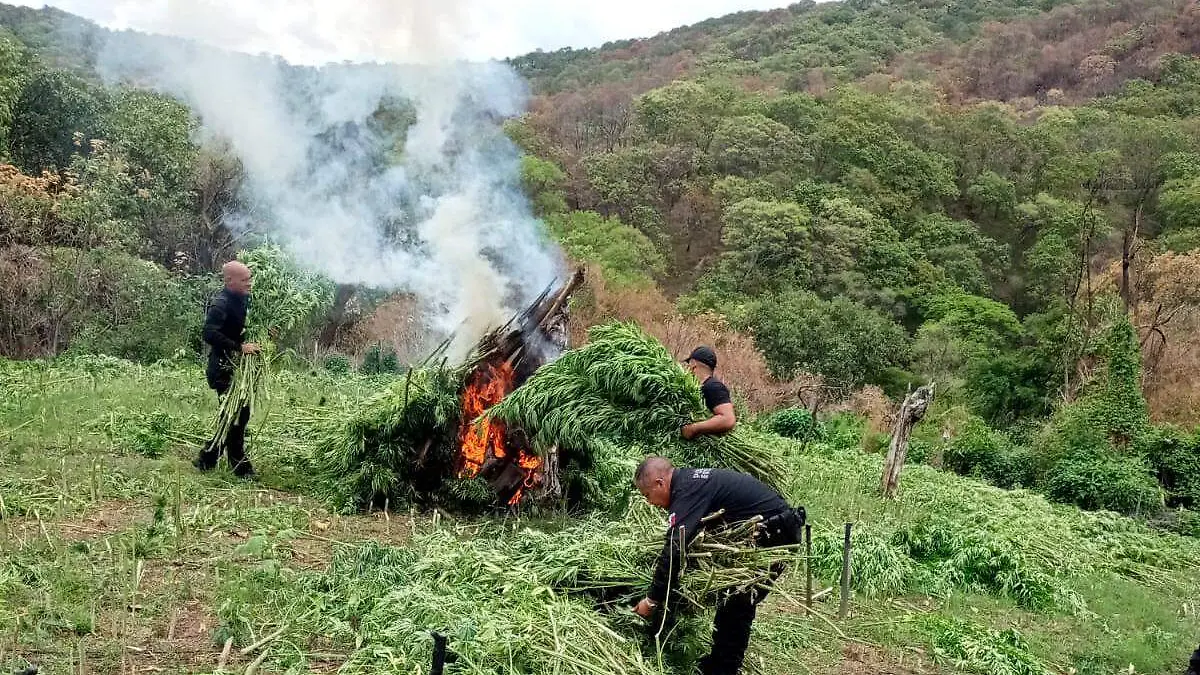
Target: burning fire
[[481, 439]]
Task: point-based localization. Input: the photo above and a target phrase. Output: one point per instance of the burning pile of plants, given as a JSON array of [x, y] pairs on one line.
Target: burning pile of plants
[[521, 421], [424, 438]]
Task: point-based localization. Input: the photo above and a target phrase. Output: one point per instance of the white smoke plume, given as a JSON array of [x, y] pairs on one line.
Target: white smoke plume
[[436, 211]]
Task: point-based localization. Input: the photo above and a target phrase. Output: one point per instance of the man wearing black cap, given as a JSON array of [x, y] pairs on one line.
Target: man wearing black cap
[[702, 362]]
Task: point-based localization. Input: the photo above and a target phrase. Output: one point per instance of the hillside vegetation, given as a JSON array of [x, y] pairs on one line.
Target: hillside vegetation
[[118, 555]]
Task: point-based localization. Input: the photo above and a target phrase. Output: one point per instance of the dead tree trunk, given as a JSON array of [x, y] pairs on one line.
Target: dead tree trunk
[[336, 319], [911, 411], [551, 490]]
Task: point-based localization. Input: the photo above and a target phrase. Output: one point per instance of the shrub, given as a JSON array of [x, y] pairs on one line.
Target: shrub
[[844, 431], [1175, 459], [796, 423], [380, 359], [978, 450], [1098, 479], [95, 301], [338, 364]]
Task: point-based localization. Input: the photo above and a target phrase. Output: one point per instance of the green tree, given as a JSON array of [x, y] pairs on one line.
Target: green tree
[[980, 322], [965, 256], [767, 245], [1068, 233], [53, 107], [846, 342], [543, 182], [1179, 204], [683, 112], [992, 195], [12, 72], [755, 144], [1006, 387], [154, 133], [869, 134], [626, 256]]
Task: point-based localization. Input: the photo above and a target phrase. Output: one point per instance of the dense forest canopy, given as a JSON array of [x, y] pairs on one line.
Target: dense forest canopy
[[1003, 197]]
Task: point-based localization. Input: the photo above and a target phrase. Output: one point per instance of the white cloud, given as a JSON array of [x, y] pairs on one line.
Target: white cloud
[[317, 31]]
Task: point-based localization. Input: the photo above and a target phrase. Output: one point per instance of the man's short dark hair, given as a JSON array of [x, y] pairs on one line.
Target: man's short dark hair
[[651, 466]]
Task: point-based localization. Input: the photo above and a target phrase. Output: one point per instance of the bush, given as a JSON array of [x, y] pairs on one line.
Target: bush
[[338, 364], [978, 450], [1175, 459], [796, 423], [1097, 479], [95, 301], [844, 431], [380, 359]]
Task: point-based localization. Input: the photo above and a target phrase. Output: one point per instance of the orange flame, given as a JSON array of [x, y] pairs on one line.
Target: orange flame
[[476, 437], [481, 438], [531, 465]]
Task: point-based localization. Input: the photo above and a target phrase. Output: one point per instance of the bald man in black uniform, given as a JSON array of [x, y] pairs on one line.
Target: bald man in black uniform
[[689, 495]]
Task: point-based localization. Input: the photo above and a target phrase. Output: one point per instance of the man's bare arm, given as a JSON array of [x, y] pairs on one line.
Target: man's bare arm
[[724, 419]]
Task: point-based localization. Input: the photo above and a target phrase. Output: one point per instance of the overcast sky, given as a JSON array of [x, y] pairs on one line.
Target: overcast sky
[[317, 31]]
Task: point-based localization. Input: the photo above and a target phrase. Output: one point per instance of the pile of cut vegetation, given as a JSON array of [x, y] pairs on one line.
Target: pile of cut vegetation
[[578, 426], [624, 389], [512, 601]]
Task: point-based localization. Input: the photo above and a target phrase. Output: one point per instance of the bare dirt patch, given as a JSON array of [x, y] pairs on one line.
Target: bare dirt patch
[[101, 520], [858, 659], [326, 532]]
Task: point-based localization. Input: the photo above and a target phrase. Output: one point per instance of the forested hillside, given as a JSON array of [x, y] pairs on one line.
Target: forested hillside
[[1002, 197], [989, 196]]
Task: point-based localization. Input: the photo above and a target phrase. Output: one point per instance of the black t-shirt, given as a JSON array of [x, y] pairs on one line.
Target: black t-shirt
[[715, 393], [696, 493]]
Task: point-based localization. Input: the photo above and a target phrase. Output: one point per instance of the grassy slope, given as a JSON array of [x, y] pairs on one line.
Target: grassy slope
[[128, 560]]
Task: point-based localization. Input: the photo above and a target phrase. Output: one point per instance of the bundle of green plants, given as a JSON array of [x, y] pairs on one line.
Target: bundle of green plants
[[380, 604], [398, 446], [624, 387], [972, 648], [285, 298], [615, 558]]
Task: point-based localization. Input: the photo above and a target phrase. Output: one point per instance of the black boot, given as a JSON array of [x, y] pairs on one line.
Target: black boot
[[207, 461]]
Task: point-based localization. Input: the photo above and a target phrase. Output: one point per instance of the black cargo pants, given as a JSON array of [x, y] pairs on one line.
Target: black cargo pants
[[735, 612]]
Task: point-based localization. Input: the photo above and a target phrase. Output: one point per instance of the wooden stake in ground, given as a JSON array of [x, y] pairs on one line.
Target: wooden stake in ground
[[844, 607], [911, 411], [808, 597]]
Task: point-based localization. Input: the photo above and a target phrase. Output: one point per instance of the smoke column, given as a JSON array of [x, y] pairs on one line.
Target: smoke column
[[434, 209]]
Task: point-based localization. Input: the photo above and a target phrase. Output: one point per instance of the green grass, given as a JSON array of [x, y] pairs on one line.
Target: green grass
[[117, 557]]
